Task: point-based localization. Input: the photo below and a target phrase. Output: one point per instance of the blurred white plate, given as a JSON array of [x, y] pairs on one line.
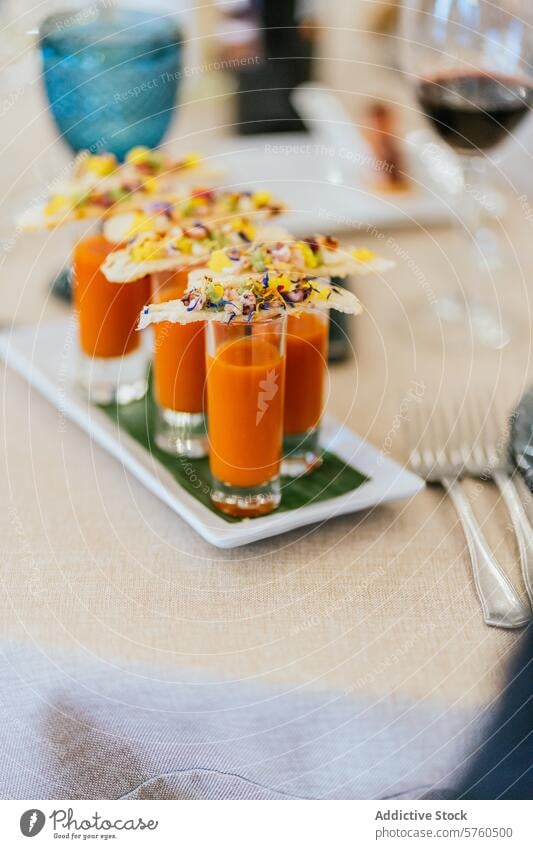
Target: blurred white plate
[[326, 176], [38, 353], [327, 192]]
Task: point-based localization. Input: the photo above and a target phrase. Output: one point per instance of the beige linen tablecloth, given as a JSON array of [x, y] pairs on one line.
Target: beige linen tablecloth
[[381, 603]]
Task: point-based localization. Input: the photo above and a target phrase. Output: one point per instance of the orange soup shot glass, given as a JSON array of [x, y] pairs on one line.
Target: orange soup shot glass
[[305, 378], [112, 362], [178, 371], [245, 391]]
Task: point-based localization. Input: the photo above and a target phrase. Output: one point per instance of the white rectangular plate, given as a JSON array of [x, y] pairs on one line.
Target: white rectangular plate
[[327, 192], [40, 354]]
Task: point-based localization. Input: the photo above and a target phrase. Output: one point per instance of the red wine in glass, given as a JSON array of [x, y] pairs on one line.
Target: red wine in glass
[[474, 111], [471, 64]]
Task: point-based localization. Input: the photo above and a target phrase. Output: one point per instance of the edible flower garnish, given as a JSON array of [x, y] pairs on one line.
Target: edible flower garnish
[[101, 164], [99, 184], [147, 248], [58, 204], [311, 258], [155, 247], [230, 210], [227, 255], [192, 160], [318, 255], [364, 255], [219, 261], [247, 298], [261, 199], [138, 155], [245, 228]]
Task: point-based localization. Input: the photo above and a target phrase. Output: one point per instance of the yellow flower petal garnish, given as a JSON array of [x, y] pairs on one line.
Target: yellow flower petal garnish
[[324, 294], [191, 204], [140, 224], [184, 245], [192, 160], [138, 155], [56, 204], [364, 255], [283, 280], [218, 261], [241, 225], [261, 198], [100, 165], [309, 257], [146, 250], [151, 185]]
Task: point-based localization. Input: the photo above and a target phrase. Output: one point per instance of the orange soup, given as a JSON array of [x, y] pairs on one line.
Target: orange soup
[[179, 352], [245, 388], [307, 344], [107, 312]]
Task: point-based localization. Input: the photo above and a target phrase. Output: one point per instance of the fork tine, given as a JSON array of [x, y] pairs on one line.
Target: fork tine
[[415, 436], [440, 429], [475, 457], [443, 443], [450, 440], [491, 438]]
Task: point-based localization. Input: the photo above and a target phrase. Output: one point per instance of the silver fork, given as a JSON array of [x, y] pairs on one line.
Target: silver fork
[[440, 459], [488, 459]]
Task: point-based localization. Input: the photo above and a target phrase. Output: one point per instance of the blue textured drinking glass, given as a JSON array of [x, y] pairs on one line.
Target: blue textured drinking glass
[[111, 76]]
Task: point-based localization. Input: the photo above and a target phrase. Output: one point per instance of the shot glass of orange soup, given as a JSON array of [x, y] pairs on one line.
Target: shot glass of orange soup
[[305, 379], [245, 394], [112, 360], [178, 371]]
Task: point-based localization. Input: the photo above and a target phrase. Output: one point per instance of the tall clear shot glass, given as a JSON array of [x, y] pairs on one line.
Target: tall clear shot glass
[[178, 373], [112, 363], [245, 399], [305, 382]]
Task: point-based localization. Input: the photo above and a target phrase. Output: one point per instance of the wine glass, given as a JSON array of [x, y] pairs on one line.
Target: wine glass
[[470, 64], [111, 77]]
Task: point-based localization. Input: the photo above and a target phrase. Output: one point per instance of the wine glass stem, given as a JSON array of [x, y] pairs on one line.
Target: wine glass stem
[[474, 171]]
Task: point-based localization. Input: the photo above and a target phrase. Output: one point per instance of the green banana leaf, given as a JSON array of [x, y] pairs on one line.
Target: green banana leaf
[[331, 479]]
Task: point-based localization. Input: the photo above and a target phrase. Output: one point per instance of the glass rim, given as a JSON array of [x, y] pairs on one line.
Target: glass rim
[[64, 22], [273, 315]]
